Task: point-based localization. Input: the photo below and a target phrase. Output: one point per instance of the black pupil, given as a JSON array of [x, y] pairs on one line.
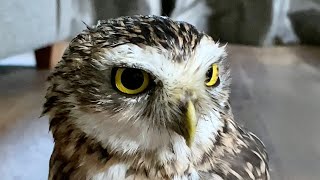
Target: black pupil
[[132, 78], [209, 74]]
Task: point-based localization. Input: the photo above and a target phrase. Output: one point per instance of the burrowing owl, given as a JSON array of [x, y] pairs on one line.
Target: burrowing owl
[[146, 97]]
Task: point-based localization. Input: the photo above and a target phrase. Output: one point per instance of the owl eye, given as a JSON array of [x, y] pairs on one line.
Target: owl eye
[[129, 80], [213, 76]]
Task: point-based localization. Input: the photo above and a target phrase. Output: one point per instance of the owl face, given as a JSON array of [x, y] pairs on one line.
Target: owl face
[[142, 81]]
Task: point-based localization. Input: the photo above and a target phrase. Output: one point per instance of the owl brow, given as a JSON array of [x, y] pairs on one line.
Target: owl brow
[[221, 58], [133, 65], [213, 61], [127, 65]]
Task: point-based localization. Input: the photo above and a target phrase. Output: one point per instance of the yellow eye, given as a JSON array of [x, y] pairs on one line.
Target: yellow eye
[[213, 76], [129, 80]]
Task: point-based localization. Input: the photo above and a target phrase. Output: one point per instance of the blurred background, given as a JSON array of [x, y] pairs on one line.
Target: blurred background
[[273, 47]]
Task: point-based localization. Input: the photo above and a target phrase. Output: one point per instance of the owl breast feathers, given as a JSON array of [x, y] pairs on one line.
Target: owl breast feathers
[[146, 97]]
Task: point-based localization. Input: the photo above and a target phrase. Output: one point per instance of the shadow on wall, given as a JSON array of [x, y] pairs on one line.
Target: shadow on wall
[[306, 24], [240, 21]]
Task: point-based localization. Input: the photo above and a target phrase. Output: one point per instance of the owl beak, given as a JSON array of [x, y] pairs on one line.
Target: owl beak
[[190, 123], [186, 125]]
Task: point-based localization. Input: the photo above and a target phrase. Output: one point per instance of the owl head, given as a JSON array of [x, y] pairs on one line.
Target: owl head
[[141, 82]]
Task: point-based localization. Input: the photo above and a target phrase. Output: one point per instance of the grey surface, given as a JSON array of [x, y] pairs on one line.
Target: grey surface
[[28, 25], [240, 21], [306, 24], [263, 22], [276, 95], [70, 17], [25, 144], [281, 31], [105, 9]]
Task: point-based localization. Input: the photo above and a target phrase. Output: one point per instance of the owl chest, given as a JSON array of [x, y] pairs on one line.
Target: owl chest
[[144, 176], [125, 172], [147, 170]]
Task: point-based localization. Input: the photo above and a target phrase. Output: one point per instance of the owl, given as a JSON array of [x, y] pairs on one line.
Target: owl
[[146, 97]]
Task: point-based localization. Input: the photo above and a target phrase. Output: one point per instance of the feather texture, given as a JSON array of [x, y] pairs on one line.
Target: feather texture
[[100, 133]]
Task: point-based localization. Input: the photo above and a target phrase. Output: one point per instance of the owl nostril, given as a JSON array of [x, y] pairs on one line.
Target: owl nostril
[[187, 96]]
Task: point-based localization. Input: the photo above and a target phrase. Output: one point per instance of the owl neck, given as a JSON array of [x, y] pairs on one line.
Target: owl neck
[[160, 144], [141, 138], [148, 147]]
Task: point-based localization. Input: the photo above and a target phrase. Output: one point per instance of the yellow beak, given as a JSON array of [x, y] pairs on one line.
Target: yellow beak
[[190, 124]]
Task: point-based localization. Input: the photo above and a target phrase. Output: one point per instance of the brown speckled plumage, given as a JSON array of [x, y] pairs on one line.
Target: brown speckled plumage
[[80, 101]]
